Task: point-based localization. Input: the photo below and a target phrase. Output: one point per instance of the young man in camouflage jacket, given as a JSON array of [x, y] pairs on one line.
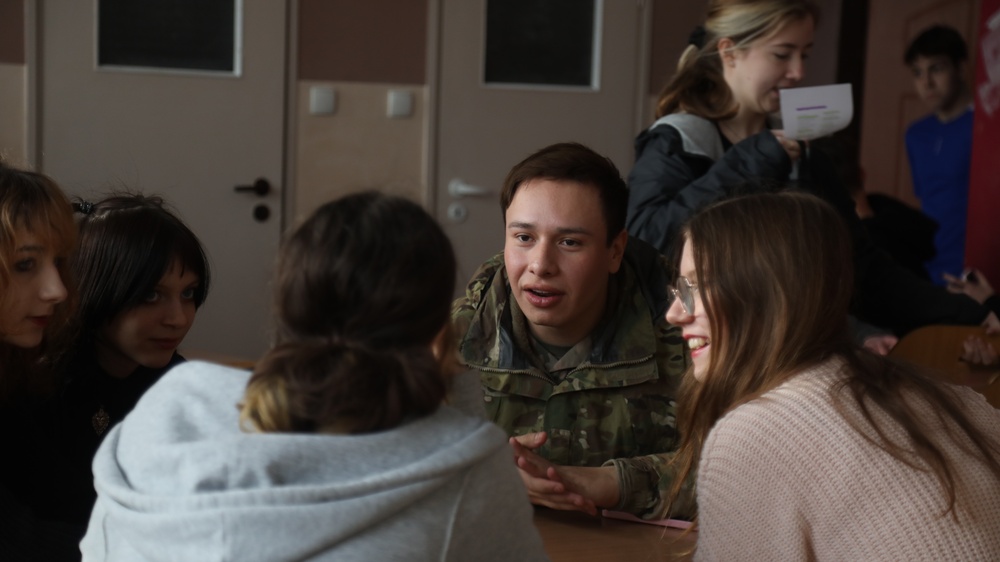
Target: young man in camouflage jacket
[[567, 331]]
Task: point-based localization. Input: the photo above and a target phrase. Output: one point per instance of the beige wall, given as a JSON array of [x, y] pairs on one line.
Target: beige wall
[[361, 52], [13, 111], [358, 147], [381, 41], [12, 31], [13, 125]]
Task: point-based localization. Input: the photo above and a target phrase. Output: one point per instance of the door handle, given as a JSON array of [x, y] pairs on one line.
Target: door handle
[[260, 186], [458, 188]]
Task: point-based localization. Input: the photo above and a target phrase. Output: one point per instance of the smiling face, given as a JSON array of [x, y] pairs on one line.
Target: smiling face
[[558, 259], [695, 327], [34, 291], [149, 333], [756, 73]]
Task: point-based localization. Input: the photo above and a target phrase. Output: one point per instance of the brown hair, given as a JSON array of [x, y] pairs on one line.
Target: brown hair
[[570, 161], [938, 40], [362, 289], [698, 86], [783, 261], [34, 202]]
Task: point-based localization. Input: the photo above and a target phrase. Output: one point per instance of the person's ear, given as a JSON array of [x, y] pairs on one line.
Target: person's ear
[[617, 251], [727, 51]]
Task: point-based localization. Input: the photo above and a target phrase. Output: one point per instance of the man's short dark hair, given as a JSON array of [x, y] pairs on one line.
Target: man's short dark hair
[[938, 40], [570, 161]]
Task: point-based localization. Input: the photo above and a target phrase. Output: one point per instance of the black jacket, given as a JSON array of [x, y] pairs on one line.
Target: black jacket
[[681, 166]]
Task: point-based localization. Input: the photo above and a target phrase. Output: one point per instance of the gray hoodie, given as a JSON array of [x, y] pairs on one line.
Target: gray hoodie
[[179, 480]]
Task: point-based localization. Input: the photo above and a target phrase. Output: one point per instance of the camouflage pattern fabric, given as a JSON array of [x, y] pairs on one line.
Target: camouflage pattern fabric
[[609, 401]]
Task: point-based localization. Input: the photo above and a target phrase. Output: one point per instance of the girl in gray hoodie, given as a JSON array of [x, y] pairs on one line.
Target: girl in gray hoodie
[[337, 446]]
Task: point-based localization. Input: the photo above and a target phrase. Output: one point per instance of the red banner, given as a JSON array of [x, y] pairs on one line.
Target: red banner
[[982, 248]]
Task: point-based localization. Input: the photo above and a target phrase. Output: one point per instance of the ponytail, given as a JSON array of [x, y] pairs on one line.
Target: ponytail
[[363, 287], [350, 387], [698, 86]]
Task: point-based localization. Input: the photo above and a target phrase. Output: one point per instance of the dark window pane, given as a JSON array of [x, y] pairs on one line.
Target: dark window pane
[[178, 34], [547, 42]]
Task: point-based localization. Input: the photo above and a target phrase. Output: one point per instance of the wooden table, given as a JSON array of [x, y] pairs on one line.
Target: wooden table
[[576, 537], [938, 348]]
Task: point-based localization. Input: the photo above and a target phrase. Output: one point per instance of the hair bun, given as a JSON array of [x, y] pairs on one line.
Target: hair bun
[[84, 207], [697, 37], [339, 341]]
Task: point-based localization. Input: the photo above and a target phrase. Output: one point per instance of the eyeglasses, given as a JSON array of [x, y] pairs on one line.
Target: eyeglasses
[[684, 291]]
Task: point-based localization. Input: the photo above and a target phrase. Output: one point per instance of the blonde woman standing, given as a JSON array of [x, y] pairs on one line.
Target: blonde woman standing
[[713, 138]]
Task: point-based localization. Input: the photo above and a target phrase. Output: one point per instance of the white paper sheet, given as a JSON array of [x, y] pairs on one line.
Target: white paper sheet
[[818, 111]]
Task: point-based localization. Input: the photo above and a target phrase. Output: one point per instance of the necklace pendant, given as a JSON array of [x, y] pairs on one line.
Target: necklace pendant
[[100, 421]]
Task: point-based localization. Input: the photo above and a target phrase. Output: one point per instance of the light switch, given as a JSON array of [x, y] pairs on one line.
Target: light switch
[[322, 100], [400, 104]]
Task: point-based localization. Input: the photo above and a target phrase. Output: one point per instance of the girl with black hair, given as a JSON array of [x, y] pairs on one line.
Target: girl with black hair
[[141, 274]]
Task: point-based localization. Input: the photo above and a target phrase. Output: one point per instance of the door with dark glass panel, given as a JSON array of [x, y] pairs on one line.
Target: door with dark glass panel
[[184, 98], [517, 75]]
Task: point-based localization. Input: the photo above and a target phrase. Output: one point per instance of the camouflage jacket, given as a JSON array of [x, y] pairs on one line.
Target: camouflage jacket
[[609, 400]]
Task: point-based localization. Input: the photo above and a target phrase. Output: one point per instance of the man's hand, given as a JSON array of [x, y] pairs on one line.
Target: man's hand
[[542, 479], [791, 146], [971, 283], [978, 352], [570, 488], [992, 324]]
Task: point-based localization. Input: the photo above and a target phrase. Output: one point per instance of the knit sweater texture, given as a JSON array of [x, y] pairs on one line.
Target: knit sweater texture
[[786, 477]]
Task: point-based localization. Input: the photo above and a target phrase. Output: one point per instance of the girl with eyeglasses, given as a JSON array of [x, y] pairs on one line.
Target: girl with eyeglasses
[[805, 446]]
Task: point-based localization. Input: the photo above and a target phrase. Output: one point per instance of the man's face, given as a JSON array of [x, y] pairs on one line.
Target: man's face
[[557, 258], [938, 82]]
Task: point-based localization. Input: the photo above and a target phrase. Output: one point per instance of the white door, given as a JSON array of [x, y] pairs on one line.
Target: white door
[[485, 126], [191, 137]]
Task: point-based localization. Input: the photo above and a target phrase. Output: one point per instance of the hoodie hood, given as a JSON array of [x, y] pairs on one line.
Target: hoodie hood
[[698, 135], [179, 479]]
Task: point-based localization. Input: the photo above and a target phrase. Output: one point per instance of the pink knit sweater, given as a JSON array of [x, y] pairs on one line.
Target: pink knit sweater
[[784, 477]]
